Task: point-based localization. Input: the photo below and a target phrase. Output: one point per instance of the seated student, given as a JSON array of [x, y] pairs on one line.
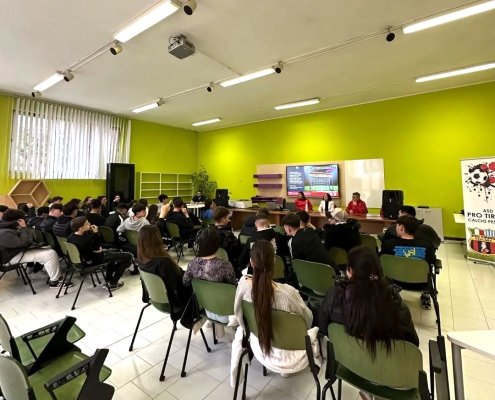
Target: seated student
[[140, 201], [162, 200], [117, 218], [249, 226], [42, 214], [267, 295], [368, 307], [15, 240], [103, 209], [116, 201], [229, 241], [86, 206], [79, 204], [87, 240], [305, 244], [209, 267], [356, 205], [407, 246], [56, 200], [326, 205], [425, 232], [198, 198], [305, 220], [94, 217], [2, 210], [208, 210], [179, 216], [153, 258], [341, 231], [62, 226], [27, 209], [152, 216], [302, 203], [49, 201], [137, 221], [264, 232], [54, 213]]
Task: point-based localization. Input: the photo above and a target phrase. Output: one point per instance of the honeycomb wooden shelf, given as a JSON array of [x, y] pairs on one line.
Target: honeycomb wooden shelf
[[29, 191]]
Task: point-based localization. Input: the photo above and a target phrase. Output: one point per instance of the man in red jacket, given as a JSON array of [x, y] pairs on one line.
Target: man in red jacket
[[357, 206]]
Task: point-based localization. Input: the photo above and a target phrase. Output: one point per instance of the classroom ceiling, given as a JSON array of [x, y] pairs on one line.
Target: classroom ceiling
[[235, 37]]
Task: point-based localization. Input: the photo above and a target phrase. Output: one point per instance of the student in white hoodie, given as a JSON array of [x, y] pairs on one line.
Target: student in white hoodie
[[326, 205], [137, 221]]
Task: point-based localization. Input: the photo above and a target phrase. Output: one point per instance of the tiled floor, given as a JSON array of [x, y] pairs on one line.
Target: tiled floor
[[467, 301]]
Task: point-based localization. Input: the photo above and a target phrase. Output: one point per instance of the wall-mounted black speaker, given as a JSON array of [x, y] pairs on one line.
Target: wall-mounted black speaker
[[392, 201], [222, 197], [120, 180]]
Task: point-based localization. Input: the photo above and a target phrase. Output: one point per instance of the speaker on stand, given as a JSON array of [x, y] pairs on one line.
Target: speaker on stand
[[392, 201], [222, 197], [120, 180]]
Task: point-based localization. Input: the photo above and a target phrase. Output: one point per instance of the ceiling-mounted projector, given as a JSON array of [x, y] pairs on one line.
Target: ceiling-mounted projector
[[180, 47]]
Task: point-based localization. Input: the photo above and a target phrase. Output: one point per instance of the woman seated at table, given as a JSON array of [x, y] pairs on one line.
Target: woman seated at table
[[302, 203], [208, 210], [367, 305], [153, 258], [326, 205], [267, 295]]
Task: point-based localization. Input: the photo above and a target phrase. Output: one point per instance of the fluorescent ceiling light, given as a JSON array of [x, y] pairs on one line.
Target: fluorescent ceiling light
[[453, 16], [297, 104], [147, 107], [456, 72], [210, 121], [52, 80], [248, 77], [154, 15]]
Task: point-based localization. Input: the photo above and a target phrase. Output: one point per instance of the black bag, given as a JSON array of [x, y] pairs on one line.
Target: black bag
[[191, 313]]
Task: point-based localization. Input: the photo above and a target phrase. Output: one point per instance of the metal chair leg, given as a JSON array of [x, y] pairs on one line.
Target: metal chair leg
[[265, 372], [97, 278], [78, 291], [61, 286], [204, 340], [108, 287], [28, 280], [245, 382], [239, 367], [92, 279], [340, 389], [325, 389], [22, 274], [137, 326], [183, 373], [215, 341], [162, 375], [70, 280]]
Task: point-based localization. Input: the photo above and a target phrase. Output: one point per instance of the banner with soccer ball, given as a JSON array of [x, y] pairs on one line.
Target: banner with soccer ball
[[478, 176]]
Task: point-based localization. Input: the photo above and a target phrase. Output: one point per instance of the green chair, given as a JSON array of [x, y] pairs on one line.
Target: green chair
[[243, 239], [386, 376], [280, 229], [76, 378], [402, 269], [279, 269], [160, 300], [108, 235], [338, 256], [27, 348], [206, 222], [37, 236], [51, 241], [177, 241], [132, 237], [222, 254], [79, 265], [289, 333], [315, 279], [369, 241], [19, 268]]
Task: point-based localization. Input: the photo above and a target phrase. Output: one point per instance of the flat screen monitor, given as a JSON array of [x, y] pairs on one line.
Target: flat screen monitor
[[313, 180]]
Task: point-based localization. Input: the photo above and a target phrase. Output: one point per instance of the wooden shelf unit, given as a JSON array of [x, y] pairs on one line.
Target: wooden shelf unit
[[30, 191], [152, 184]]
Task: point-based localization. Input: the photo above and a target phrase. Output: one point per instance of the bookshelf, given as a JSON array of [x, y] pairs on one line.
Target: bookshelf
[[152, 184]]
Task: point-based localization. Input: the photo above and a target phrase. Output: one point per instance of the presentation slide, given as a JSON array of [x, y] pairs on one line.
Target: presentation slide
[[313, 180]]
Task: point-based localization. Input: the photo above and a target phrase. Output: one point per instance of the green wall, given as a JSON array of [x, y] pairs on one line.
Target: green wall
[[154, 148], [421, 139]]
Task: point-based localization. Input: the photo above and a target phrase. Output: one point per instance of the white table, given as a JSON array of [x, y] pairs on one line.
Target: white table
[[196, 208], [481, 342], [459, 218]]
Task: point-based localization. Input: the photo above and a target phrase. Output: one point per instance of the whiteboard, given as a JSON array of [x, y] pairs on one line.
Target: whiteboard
[[366, 177]]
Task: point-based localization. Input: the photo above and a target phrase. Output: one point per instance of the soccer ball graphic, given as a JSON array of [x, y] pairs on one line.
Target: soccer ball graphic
[[477, 176]]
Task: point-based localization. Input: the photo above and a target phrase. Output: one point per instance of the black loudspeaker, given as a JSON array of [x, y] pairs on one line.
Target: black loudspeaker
[[392, 201], [120, 180], [222, 197]]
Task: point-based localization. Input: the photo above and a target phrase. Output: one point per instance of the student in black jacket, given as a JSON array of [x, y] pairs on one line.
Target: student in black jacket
[[94, 217], [117, 218], [86, 238], [264, 231], [305, 243], [104, 210], [41, 215], [341, 231], [153, 258], [181, 218], [368, 307], [62, 228], [54, 213], [228, 241]]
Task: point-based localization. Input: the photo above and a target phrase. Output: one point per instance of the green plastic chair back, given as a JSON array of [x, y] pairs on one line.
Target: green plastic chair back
[[173, 230], [338, 255], [5, 336], [279, 268], [50, 239], [215, 297], [132, 237], [206, 222], [369, 241], [37, 235], [73, 252], [402, 269], [222, 254], [157, 291], [13, 379], [63, 245], [280, 229], [243, 239], [107, 234], [399, 369], [315, 276], [289, 330]]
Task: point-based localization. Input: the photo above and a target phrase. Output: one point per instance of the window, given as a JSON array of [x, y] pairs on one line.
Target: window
[[50, 141]]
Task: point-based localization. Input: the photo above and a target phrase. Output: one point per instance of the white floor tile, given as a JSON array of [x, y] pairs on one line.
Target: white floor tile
[[196, 386], [225, 391], [155, 352], [126, 370], [297, 385], [150, 382], [130, 391]]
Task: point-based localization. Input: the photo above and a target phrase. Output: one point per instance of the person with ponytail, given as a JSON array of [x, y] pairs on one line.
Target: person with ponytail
[[267, 295]]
